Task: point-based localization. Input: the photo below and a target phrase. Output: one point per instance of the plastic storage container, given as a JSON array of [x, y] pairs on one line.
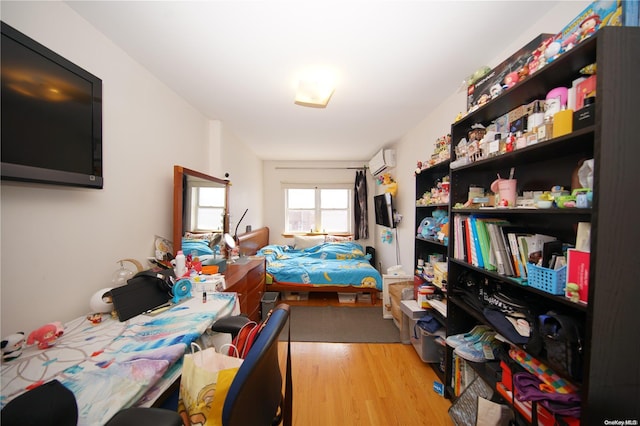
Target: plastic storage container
[[269, 299], [426, 344], [550, 280]]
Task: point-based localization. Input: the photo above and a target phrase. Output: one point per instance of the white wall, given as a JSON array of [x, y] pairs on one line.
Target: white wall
[[322, 172], [59, 245], [418, 144], [245, 173]]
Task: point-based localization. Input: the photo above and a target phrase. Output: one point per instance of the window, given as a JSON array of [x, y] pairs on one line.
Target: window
[[318, 209], [207, 208]]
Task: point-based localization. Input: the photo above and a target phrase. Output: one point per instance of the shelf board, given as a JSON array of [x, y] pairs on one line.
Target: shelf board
[[580, 140], [520, 285], [432, 205], [441, 166], [430, 241], [560, 72], [517, 210]]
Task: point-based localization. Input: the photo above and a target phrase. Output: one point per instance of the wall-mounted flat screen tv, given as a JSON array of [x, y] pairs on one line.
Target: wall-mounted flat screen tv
[[383, 205], [51, 112]]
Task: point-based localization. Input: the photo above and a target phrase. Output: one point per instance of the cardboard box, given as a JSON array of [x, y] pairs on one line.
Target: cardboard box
[[295, 295], [584, 117], [578, 273], [595, 16], [347, 297], [481, 89], [584, 89], [517, 113]]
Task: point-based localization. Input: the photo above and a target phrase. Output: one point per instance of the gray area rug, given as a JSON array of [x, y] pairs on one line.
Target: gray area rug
[[338, 324]]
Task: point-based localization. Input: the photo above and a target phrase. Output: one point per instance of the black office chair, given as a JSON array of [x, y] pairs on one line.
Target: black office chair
[[231, 324], [254, 398], [50, 404], [255, 395]]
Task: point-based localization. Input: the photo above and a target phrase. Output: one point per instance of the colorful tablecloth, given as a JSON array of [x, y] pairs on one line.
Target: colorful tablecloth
[[113, 365]]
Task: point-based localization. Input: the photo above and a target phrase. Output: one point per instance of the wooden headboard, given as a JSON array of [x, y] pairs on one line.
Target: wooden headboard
[[251, 242]]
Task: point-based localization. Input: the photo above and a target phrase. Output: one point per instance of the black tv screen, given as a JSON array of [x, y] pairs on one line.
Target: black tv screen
[[51, 112], [383, 205]]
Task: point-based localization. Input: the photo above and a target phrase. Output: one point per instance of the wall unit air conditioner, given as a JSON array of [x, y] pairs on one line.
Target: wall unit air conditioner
[[384, 159]]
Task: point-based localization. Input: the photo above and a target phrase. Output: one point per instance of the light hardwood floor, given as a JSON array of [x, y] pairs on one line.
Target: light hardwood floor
[[361, 384]]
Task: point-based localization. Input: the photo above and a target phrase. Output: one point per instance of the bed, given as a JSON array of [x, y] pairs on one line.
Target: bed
[[341, 267]]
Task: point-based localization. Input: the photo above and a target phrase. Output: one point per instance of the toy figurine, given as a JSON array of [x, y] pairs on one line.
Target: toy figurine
[[589, 26], [95, 319], [495, 90], [46, 335], [572, 292], [511, 79], [553, 51], [12, 346]]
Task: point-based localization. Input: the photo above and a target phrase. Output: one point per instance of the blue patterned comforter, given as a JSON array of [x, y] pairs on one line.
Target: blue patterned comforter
[[336, 264], [112, 365]]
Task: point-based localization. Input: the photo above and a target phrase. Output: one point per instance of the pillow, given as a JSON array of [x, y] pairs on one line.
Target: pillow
[[196, 247], [199, 236], [301, 242], [337, 238]]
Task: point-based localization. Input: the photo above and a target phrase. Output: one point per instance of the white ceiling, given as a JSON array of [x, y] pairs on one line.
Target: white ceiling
[[238, 62]]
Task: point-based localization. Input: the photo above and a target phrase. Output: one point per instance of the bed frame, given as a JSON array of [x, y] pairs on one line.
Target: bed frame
[[253, 241]]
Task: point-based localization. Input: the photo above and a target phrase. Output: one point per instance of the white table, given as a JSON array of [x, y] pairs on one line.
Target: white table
[[114, 365]]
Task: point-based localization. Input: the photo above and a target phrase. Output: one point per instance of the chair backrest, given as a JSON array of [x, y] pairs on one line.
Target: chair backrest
[[255, 394], [50, 404]]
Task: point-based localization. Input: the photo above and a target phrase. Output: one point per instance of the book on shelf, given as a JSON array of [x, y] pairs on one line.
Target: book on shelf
[[515, 255], [536, 246], [583, 236], [485, 245], [585, 88], [462, 375], [467, 231], [524, 240], [503, 256], [476, 252], [571, 93], [460, 238]]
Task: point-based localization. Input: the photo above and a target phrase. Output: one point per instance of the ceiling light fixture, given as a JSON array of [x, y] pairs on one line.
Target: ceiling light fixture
[[315, 94]]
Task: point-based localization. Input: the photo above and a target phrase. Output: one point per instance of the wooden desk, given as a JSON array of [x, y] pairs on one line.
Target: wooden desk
[[246, 277]]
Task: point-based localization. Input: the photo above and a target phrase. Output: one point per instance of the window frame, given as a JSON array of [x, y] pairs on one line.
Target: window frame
[[318, 209], [193, 199]]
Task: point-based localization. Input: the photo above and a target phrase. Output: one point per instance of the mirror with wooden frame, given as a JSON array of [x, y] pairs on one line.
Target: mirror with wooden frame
[[200, 204]]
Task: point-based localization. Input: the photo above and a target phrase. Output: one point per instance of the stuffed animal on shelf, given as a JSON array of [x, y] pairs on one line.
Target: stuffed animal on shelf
[[46, 335], [12, 346]]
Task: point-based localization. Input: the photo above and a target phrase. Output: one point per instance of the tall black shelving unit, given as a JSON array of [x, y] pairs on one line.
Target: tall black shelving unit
[[427, 179], [611, 372]]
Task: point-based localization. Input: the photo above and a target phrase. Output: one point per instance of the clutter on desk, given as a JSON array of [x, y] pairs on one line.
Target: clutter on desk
[[12, 346], [122, 274], [101, 301], [46, 335], [145, 291], [95, 318]]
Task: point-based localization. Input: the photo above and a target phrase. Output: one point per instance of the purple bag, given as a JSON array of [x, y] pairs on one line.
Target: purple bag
[[528, 388]]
